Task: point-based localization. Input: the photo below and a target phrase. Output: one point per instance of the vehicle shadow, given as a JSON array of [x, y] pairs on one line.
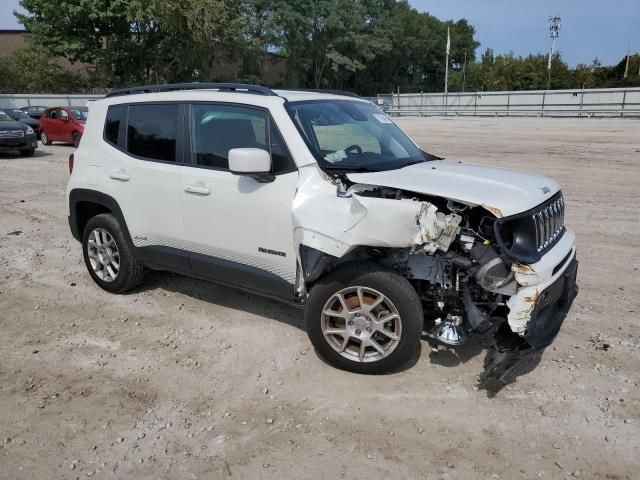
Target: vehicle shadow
[[500, 368], [17, 156], [224, 296], [236, 299]]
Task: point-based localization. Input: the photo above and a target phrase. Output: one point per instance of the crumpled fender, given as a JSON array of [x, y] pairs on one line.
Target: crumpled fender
[[335, 224]]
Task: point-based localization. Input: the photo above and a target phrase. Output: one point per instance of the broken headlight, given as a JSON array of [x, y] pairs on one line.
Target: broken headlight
[[496, 276]]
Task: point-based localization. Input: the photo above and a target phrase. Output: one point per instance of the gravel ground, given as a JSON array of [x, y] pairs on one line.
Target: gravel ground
[[183, 379]]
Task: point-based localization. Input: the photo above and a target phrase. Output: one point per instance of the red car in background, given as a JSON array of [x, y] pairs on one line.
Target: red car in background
[[63, 124]]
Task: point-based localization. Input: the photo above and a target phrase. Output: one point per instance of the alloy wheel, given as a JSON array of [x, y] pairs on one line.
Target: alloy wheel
[[103, 253], [361, 324]]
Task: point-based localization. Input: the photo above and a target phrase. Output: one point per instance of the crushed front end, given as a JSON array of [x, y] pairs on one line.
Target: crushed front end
[[511, 280]]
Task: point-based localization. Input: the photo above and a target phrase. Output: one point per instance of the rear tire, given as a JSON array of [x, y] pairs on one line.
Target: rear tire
[[358, 338], [44, 138], [108, 255], [75, 139]]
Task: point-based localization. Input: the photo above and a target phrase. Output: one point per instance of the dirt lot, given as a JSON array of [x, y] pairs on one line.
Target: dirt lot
[[187, 380]]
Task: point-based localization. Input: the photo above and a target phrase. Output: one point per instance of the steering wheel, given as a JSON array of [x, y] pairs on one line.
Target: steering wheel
[[353, 148]]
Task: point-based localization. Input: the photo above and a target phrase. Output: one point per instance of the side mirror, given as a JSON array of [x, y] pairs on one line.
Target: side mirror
[[251, 162]]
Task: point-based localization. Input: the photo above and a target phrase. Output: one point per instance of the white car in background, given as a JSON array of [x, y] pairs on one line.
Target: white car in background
[[319, 199]]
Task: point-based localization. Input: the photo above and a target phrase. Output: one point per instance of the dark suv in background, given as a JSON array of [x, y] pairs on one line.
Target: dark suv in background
[[16, 136], [34, 111], [20, 116]]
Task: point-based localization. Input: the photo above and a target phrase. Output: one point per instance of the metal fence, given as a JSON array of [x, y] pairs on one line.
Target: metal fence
[[26, 100], [620, 102], [611, 102]]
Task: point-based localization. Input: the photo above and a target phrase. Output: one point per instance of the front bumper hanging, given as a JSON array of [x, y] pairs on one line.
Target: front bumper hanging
[[551, 308]]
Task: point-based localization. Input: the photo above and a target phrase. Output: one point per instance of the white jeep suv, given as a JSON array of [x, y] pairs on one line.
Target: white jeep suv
[[317, 198]]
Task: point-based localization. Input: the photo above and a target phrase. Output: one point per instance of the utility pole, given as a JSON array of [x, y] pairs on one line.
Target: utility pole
[[626, 68], [446, 71], [445, 101], [464, 71], [554, 31]]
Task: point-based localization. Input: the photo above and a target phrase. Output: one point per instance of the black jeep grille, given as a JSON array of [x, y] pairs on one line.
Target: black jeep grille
[[526, 236], [549, 223]]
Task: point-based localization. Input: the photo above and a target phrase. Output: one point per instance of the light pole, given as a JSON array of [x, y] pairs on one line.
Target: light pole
[[464, 72], [446, 73], [554, 30]]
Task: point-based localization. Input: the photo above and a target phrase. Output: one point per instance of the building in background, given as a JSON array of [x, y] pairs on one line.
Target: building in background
[[14, 40]]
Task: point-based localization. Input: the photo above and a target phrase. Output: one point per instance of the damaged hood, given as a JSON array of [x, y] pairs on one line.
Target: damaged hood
[[502, 191]]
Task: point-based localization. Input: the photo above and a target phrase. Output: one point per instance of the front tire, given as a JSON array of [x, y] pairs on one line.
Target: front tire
[[108, 255], [28, 153], [365, 319]]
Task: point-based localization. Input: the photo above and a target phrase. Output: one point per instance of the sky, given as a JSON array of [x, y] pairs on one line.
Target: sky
[[605, 29], [590, 28]]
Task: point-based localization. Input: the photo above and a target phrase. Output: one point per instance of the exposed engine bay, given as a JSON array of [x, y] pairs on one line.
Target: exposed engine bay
[[460, 275]]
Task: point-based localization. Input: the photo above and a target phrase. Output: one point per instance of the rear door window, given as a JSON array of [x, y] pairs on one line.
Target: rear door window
[[152, 131]]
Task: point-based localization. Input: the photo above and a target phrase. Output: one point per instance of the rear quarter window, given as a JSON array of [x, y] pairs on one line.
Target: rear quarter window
[[115, 117]]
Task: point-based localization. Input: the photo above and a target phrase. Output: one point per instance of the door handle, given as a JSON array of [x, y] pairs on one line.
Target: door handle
[[120, 175], [198, 189]]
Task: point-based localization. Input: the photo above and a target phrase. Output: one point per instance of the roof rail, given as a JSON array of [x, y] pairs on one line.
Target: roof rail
[[342, 93], [171, 87]]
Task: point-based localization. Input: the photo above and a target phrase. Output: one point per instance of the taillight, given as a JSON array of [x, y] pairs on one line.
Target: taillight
[[71, 164]]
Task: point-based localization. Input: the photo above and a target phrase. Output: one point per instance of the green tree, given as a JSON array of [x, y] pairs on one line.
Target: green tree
[[33, 70], [366, 45], [321, 39], [137, 41], [369, 46]]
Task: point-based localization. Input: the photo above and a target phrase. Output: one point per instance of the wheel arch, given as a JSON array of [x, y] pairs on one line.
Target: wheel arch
[[316, 263], [85, 204]]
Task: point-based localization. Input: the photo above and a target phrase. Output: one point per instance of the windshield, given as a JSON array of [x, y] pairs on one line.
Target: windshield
[[353, 135], [19, 114], [79, 113], [4, 117]]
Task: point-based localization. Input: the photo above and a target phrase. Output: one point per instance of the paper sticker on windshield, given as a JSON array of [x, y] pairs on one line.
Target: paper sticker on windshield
[[382, 118], [335, 156]]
